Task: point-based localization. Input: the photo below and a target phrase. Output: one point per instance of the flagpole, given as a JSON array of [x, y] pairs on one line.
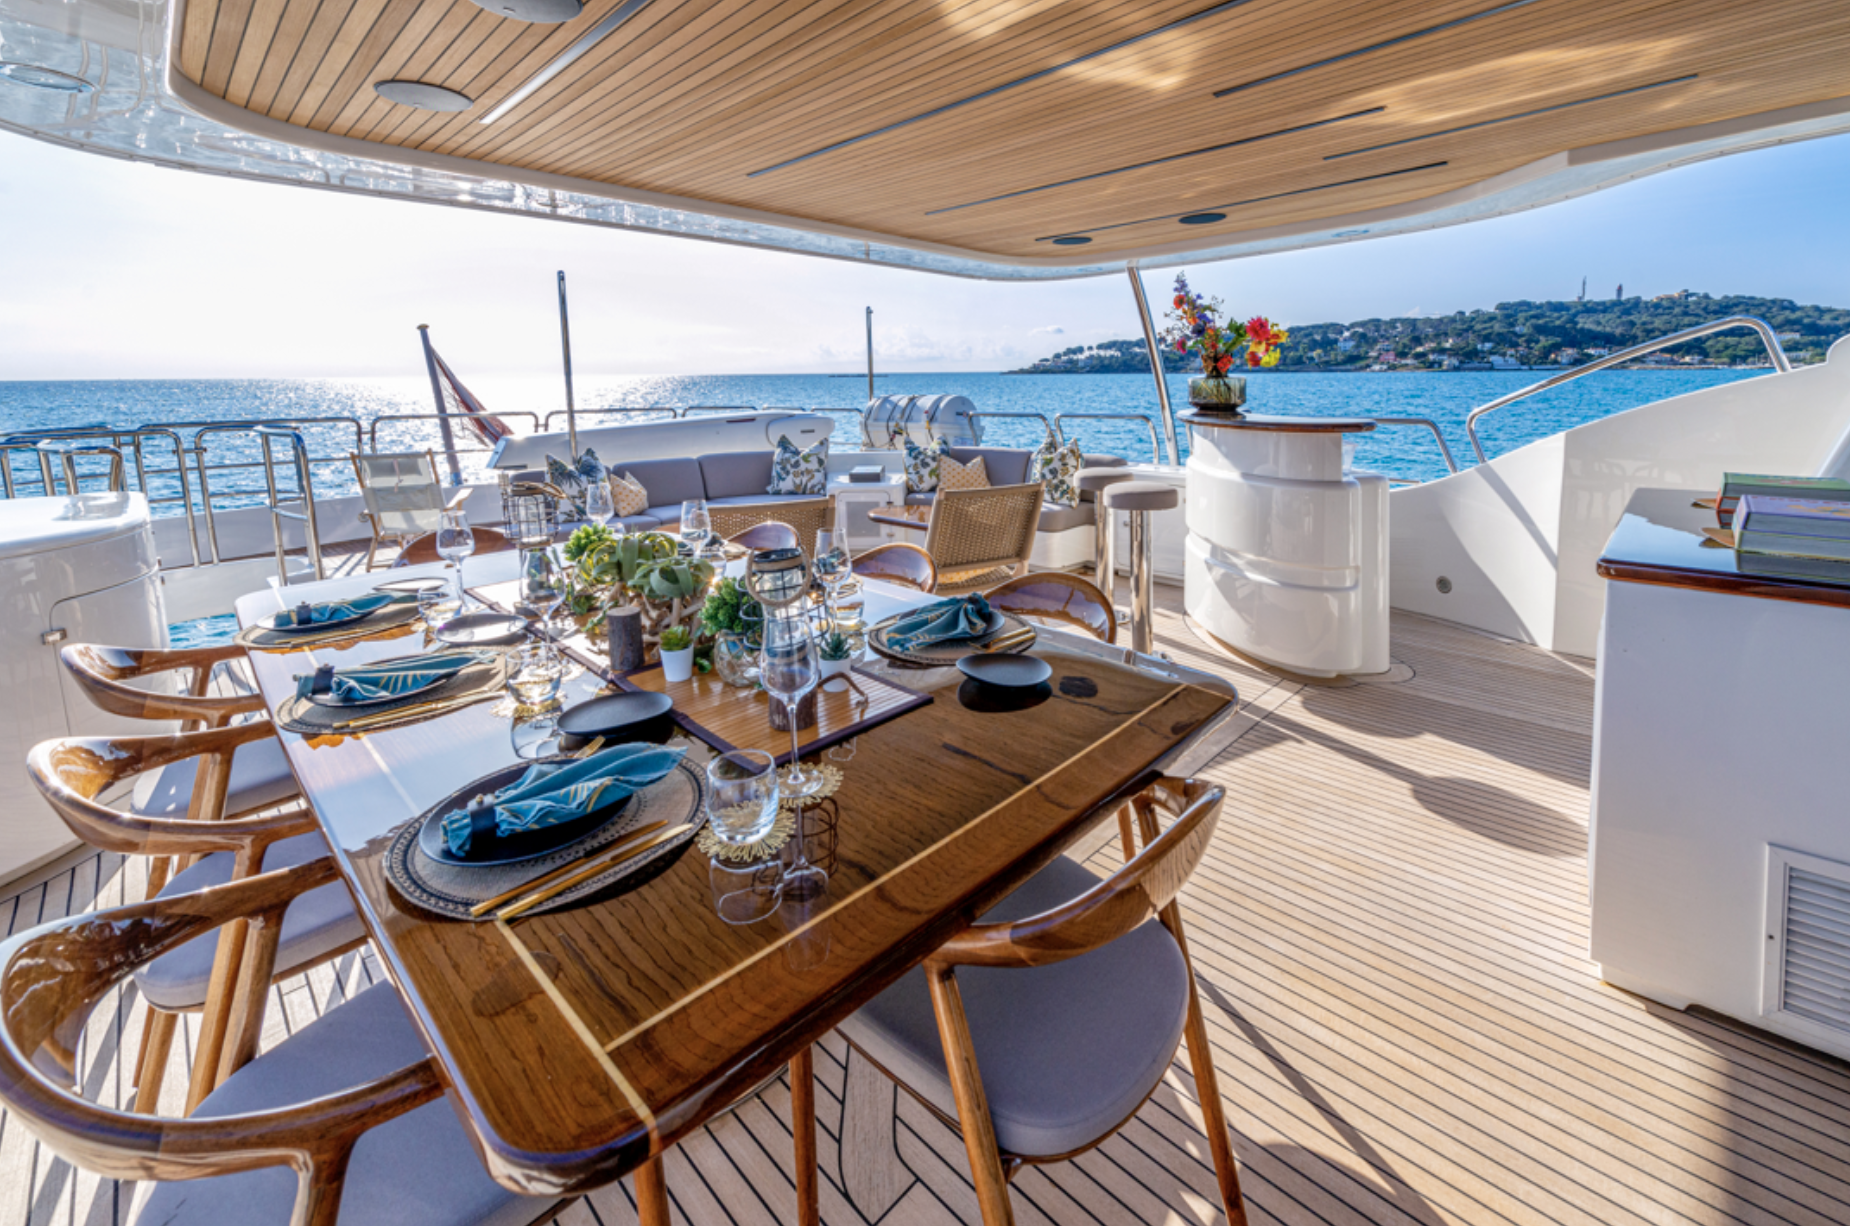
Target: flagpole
[[870, 353], [565, 344], [443, 412]]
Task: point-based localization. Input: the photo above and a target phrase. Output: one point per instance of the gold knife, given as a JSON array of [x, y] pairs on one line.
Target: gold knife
[[1013, 638], [592, 870], [433, 707], [545, 879]]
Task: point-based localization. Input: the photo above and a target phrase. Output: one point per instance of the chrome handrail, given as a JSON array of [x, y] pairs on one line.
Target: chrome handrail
[[1430, 424], [718, 408], [117, 437], [311, 528], [67, 451], [1767, 337], [1040, 417], [1156, 446]]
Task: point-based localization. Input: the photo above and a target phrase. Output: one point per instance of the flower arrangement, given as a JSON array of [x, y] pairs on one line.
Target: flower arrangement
[[1199, 325]]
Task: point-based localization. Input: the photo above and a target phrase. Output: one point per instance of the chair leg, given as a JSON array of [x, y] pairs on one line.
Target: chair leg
[[1125, 836], [992, 1189], [151, 1069], [652, 1194], [803, 1128], [215, 1019]]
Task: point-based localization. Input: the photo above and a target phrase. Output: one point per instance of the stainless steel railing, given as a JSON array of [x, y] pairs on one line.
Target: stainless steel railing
[[305, 492], [981, 415], [1428, 423], [1760, 326], [1156, 447], [67, 451], [559, 414]]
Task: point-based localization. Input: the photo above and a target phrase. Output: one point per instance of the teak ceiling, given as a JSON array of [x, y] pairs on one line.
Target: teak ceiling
[[757, 104]]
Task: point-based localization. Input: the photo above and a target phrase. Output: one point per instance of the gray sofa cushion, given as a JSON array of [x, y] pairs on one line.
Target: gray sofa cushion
[[640, 523], [749, 500], [742, 475], [1056, 518], [316, 924], [1067, 1051], [260, 777], [1005, 465], [669, 482], [416, 1170]]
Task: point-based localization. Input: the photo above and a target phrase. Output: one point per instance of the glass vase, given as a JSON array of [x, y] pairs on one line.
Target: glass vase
[[735, 659]]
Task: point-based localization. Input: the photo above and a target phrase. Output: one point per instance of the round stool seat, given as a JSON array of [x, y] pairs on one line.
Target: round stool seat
[[1142, 496], [1092, 480]]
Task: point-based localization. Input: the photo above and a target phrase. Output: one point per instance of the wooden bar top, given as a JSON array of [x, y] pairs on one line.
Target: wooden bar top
[[1659, 540], [580, 1043], [1282, 425]]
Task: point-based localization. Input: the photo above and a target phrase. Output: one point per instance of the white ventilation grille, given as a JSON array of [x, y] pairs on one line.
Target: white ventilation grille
[[1807, 974]]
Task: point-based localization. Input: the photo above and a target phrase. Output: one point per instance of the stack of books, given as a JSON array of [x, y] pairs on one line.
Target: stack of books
[[1736, 486], [1793, 538]]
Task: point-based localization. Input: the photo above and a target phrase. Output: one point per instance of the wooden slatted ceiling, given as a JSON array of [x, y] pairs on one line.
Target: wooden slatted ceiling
[[689, 98]]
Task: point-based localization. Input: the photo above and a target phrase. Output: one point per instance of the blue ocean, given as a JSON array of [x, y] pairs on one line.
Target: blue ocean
[[355, 410]]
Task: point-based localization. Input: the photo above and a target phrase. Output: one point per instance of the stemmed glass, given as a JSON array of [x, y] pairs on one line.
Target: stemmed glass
[[696, 524], [542, 586], [742, 801], [454, 543], [600, 506], [788, 670], [832, 564]]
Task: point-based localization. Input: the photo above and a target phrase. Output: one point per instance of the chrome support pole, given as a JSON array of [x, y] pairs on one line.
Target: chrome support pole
[[1170, 447], [1104, 566], [1143, 601], [565, 344], [870, 354]]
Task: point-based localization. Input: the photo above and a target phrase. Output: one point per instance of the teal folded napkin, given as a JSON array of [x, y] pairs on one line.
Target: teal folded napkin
[[962, 617], [385, 679], [553, 792], [306, 614]]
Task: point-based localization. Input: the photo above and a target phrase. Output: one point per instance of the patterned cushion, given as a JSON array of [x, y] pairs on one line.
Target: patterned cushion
[[628, 495], [799, 471], [1055, 465], [573, 479], [955, 476], [922, 465]]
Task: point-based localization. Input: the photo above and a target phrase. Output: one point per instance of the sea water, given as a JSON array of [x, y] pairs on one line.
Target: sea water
[[359, 409]]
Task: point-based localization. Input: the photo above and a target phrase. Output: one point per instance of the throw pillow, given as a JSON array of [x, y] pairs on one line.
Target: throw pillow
[[1055, 466], [628, 496], [922, 465], [573, 478], [796, 470], [955, 476]]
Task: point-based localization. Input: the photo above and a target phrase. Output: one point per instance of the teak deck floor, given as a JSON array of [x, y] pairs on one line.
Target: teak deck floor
[[1391, 939]]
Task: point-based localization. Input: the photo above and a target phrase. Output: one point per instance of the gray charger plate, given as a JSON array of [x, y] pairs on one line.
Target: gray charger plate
[[481, 629]]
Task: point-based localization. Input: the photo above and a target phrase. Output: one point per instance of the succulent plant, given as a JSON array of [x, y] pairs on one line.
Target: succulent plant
[[672, 579], [731, 609], [677, 638], [835, 646], [618, 561], [587, 539]]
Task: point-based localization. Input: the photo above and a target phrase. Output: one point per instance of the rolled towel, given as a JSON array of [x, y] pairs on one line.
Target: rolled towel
[[962, 617], [385, 678], [553, 792]]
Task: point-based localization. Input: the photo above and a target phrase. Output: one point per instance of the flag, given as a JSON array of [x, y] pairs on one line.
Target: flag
[[460, 402]]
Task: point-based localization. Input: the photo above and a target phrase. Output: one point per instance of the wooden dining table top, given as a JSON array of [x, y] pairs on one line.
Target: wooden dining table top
[[579, 1043]]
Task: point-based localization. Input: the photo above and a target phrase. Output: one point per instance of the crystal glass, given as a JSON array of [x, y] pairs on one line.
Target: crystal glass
[[600, 506], [534, 675], [742, 795], [534, 733], [788, 669], [696, 524], [832, 563], [454, 543], [542, 586]]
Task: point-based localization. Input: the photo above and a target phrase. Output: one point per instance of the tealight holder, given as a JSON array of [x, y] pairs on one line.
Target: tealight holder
[[530, 520], [777, 578]]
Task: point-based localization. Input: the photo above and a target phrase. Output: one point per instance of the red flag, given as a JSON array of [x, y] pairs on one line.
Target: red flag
[[460, 402]]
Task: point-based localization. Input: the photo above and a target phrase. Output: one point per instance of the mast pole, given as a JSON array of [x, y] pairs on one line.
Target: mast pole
[[870, 353], [565, 345], [1168, 433], [443, 411]]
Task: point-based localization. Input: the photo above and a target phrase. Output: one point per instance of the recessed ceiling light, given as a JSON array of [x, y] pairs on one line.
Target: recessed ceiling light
[[423, 95], [1071, 240], [35, 77], [540, 12], [1202, 219]]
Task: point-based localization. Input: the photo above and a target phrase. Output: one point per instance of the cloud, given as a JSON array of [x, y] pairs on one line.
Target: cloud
[[1049, 330]]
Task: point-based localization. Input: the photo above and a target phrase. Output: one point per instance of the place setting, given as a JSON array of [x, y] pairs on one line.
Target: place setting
[[341, 701], [311, 623]]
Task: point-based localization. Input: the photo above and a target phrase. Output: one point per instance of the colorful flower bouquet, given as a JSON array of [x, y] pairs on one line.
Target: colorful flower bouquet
[[1198, 325]]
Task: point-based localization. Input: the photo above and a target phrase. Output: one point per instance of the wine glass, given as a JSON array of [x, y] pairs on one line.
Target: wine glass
[[454, 543], [696, 524], [542, 586], [832, 563], [788, 670], [600, 506]]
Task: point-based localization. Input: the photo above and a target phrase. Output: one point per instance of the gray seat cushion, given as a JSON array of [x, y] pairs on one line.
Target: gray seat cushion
[[260, 777], [669, 482], [737, 474], [1005, 465], [1106, 461], [922, 500], [416, 1170], [1056, 518], [667, 518], [1067, 1051], [640, 523], [316, 924], [1142, 496]]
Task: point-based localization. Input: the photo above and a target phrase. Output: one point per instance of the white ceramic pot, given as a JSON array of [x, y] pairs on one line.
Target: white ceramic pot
[[833, 668], [678, 665]]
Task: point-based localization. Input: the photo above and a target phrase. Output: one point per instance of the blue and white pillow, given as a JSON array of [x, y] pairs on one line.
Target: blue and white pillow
[[574, 480], [922, 468], [1056, 465], [796, 470]]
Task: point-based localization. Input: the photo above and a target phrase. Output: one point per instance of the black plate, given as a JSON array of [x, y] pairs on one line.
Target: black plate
[[430, 583], [481, 630], [516, 847], [640, 715], [1005, 670]]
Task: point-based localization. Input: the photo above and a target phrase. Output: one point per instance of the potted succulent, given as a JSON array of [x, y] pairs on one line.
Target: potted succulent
[[677, 647], [1198, 325], [836, 653], [732, 616]]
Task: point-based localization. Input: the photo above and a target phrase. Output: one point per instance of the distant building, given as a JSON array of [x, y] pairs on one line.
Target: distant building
[[1503, 361]]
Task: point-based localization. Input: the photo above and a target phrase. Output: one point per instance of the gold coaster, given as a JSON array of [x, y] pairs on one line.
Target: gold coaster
[[744, 853], [831, 781]]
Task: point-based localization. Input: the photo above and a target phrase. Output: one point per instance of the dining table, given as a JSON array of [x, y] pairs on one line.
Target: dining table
[[578, 1045]]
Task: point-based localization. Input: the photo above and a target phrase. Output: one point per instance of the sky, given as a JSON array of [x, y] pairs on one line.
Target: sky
[[116, 270]]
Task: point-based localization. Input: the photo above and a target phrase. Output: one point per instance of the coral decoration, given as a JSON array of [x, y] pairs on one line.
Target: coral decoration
[[1196, 327]]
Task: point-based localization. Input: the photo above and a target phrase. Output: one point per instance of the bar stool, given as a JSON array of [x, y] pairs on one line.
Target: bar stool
[[1096, 481], [1140, 498]]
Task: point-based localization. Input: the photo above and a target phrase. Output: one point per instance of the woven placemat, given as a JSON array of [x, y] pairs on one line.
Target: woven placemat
[[450, 890], [941, 655], [482, 680], [261, 639]]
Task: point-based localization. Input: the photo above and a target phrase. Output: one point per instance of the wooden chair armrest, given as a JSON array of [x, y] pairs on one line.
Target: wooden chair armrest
[[104, 672]]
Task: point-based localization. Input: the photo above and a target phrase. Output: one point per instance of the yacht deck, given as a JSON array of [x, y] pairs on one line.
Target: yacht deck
[[1390, 935]]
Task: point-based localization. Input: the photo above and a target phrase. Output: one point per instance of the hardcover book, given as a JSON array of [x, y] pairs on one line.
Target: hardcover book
[[1762, 513], [1735, 486]]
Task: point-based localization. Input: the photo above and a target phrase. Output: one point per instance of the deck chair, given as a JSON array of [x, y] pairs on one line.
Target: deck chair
[[403, 493], [979, 538]]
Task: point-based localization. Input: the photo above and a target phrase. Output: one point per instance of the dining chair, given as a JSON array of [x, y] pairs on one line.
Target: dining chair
[[403, 494], [1042, 1029], [423, 549], [898, 562], [803, 516], [768, 535], [977, 538], [343, 1121], [1058, 599], [208, 975]]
